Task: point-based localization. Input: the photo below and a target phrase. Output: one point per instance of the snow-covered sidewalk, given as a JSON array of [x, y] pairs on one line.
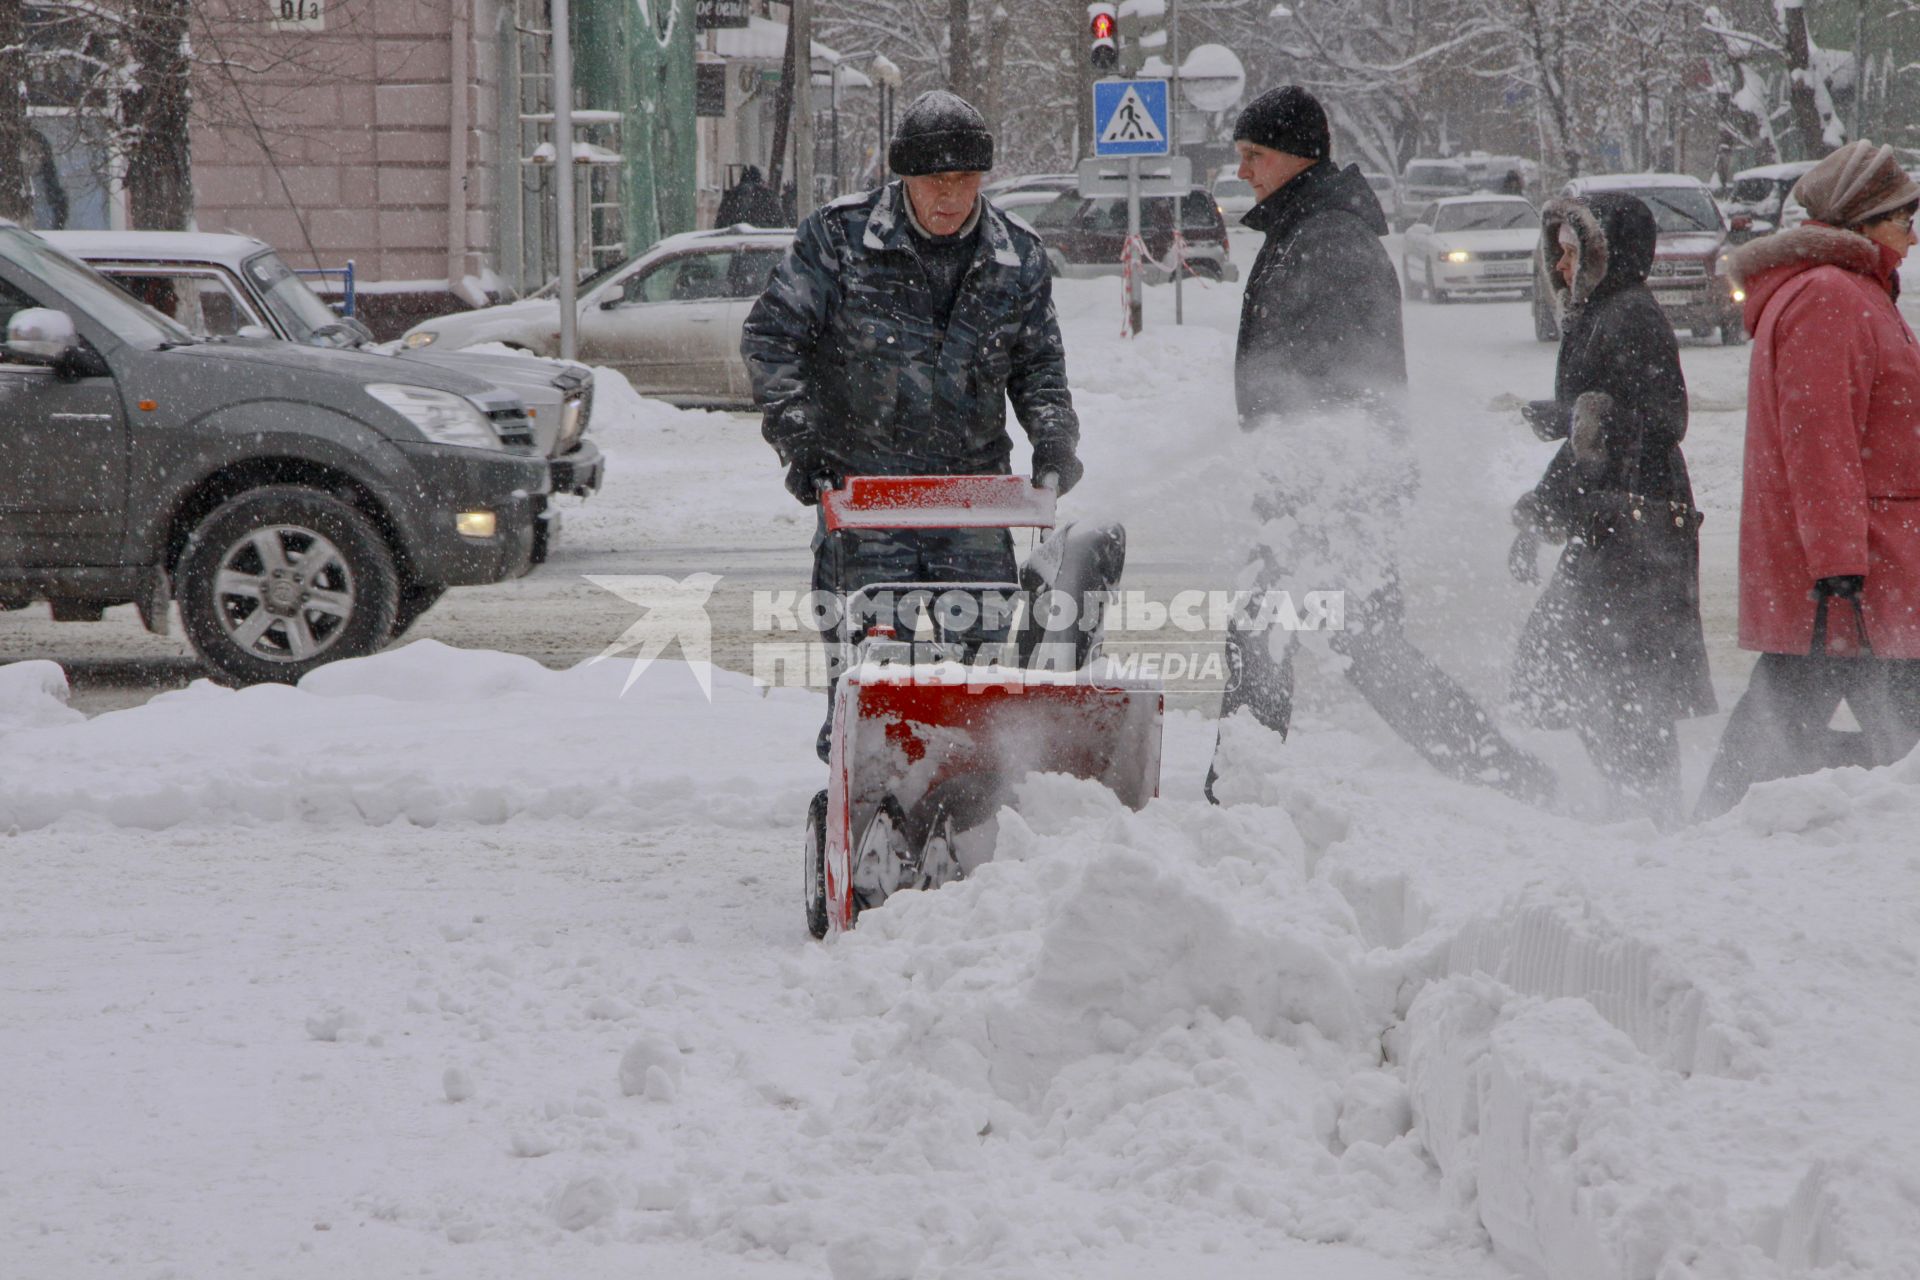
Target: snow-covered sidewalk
[[447, 963]]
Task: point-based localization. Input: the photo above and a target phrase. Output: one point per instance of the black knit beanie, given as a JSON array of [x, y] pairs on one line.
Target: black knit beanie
[[1288, 119], [940, 132]]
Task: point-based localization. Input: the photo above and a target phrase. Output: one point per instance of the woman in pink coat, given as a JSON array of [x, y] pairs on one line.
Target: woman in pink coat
[[1830, 512]]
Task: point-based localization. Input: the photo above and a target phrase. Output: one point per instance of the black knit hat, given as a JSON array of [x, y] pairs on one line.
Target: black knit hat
[[940, 132], [1288, 119]]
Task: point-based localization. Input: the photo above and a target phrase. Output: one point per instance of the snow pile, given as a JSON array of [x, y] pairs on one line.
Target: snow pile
[[1137, 1012], [33, 695], [423, 733]]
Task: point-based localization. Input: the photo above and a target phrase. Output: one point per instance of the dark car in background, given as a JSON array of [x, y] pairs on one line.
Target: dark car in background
[[1689, 277], [1085, 236]]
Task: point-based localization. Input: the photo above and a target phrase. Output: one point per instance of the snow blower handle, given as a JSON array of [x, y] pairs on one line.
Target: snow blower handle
[[940, 502]]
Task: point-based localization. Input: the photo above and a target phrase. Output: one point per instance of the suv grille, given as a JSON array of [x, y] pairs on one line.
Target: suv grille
[[513, 427], [1505, 255], [1668, 267]]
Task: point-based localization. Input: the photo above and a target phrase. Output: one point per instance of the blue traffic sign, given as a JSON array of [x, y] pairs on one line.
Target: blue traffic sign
[[1130, 118]]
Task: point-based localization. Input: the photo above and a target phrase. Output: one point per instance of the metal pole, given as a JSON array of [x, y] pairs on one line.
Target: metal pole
[[1173, 149], [1134, 306], [801, 15], [563, 176], [833, 97]]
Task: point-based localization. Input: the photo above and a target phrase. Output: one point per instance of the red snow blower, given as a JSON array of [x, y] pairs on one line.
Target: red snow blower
[[999, 680]]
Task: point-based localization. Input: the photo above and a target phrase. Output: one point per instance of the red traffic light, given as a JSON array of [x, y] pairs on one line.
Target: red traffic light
[[1104, 24]]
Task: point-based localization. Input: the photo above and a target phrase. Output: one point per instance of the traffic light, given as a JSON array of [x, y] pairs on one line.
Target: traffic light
[[1104, 23]]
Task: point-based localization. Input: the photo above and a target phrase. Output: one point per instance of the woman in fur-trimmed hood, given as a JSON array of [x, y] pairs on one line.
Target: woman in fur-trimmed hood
[[1830, 502], [1614, 648]]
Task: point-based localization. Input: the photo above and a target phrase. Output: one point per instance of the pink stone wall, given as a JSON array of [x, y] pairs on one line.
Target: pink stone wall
[[334, 145]]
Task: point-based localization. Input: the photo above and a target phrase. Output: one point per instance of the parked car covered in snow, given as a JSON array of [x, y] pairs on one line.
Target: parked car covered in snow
[[233, 286], [1689, 278], [299, 504], [1470, 245], [1085, 236], [668, 319], [1756, 199]]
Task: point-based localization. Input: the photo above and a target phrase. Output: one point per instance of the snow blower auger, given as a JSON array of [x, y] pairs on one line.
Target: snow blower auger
[[990, 682]]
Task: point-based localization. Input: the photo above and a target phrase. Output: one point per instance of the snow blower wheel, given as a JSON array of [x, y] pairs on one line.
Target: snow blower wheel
[[816, 866]]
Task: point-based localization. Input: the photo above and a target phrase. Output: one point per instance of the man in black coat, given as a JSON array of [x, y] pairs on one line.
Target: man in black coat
[[1320, 323], [1320, 350], [890, 341]]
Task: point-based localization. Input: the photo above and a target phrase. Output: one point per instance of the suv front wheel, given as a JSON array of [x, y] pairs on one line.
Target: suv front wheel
[[283, 579]]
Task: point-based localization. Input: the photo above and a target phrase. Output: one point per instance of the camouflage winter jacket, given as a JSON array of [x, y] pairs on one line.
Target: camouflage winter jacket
[[856, 376]]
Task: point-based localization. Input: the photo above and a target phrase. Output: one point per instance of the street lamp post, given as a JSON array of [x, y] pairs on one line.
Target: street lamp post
[[563, 175]]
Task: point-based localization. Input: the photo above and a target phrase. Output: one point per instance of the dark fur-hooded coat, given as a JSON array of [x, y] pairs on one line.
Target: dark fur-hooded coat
[[1618, 625]]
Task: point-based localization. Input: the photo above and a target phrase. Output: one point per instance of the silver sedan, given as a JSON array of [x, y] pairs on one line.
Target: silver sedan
[[669, 319]]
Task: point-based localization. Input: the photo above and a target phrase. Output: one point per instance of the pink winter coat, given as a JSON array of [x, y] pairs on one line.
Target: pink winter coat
[[1833, 443]]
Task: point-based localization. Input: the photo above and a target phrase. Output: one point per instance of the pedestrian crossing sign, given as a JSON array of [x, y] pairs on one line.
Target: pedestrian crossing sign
[[1130, 118]]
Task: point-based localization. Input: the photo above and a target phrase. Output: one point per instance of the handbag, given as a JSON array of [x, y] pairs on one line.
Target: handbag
[[1827, 747]]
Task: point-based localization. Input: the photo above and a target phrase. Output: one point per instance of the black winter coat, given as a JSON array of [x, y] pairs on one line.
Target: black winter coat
[[1619, 624], [856, 372], [1320, 322]]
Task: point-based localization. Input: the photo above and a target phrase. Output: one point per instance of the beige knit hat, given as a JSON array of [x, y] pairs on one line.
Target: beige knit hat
[[1854, 185]]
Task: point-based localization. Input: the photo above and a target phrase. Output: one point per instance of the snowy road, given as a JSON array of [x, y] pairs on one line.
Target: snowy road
[[457, 963]]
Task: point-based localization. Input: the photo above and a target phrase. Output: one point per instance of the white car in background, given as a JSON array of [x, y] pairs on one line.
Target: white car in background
[[1030, 191], [669, 319], [1234, 197], [1470, 244]]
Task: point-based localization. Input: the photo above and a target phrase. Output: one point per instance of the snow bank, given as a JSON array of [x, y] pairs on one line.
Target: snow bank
[[34, 695], [499, 737]]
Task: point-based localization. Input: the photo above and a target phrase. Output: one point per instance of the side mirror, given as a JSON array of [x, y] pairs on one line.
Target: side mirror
[[41, 335], [612, 300], [254, 333]]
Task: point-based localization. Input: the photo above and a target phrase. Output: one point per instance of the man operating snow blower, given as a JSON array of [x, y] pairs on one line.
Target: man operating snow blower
[[889, 341], [1320, 359]]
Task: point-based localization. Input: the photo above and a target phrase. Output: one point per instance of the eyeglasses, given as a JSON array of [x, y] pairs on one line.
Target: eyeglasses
[[1904, 221]]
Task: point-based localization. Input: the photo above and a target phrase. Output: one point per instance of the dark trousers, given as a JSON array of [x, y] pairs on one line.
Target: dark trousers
[[1779, 729], [1421, 703], [850, 559]]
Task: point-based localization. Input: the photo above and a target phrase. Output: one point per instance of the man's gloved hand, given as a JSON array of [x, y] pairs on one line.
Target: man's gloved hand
[[1523, 557], [1058, 463], [808, 473], [1549, 419], [1846, 586]]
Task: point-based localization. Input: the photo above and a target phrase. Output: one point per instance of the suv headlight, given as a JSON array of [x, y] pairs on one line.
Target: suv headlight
[[1458, 255], [440, 416], [424, 338]]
